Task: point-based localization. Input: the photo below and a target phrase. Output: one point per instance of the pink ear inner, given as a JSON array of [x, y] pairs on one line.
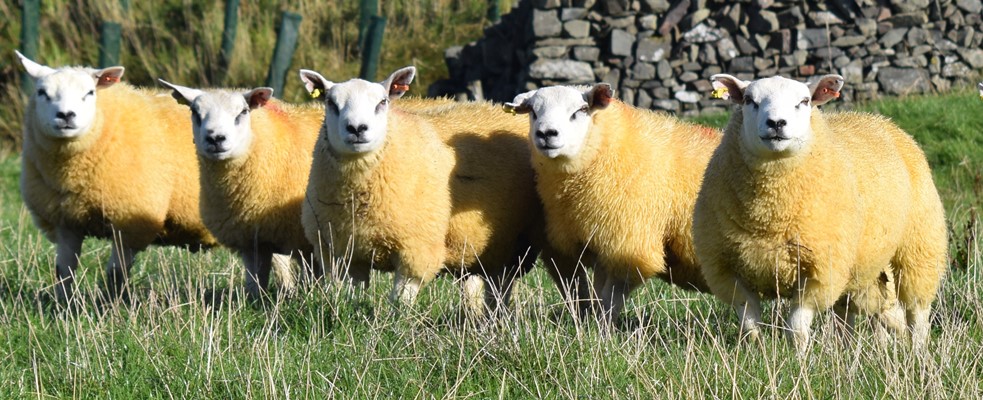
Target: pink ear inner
[[602, 97], [257, 100]]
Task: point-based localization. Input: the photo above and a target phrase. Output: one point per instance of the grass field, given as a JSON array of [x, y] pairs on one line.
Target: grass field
[[188, 332]]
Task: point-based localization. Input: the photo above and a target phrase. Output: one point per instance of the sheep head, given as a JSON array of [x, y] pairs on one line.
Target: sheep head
[[560, 117], [65, 98], [356, 112], [220, 119], [777, 111]]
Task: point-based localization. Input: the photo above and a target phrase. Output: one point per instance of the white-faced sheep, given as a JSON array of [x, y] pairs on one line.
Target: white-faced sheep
[[814, 206], [104, 159], [254, 154], [418, 191], [618, 185]]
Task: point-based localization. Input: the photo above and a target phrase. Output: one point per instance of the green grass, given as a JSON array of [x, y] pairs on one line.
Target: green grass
[[188, 332]]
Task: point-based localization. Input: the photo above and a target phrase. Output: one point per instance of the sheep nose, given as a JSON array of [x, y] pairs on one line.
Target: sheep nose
[[357, 130], [547, 133], [67, 116], [214, 139], [776, 123]]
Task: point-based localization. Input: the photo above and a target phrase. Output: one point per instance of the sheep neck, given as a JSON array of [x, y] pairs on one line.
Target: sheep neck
[[776, 191]]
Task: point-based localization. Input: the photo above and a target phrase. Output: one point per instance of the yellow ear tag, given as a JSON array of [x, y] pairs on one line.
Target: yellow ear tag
[[511, 110], [981, 97], [719, 93], [315, 93]]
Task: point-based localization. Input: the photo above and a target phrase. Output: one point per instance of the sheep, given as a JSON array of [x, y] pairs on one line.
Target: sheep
[[419, 191], [99, 160], [618, 185], [814, 206], [254, 155]]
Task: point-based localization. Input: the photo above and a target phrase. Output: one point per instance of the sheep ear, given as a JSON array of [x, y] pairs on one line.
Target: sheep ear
[[399, 82], [107, 77], [33, 69], [258, 97], [183, 95], [731, 87], [520, 104], [599, 96], [826, 88], [315, 84]]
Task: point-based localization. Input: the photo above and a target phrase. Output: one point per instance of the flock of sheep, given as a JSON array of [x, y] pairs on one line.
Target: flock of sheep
[[830, 210]]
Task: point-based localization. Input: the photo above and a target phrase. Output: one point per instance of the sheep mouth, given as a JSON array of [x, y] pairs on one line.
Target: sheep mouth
[[774, 138], [548, 144], [65, 126], [356, 140], [217, 152]]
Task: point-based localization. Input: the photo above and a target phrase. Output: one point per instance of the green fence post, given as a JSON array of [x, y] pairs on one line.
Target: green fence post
[[373, 45], [494, 11], [109, 44], [367, 9], [286, 43], [228, 41], [30, 15]]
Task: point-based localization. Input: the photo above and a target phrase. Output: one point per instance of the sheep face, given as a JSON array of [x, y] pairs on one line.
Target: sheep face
[[65, 98], [356, 115], [560, 117], [221, 122], [220, 119], [777, 112]]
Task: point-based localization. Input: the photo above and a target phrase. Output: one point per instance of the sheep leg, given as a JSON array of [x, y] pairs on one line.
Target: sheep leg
[[414, 269], [312, 271], [405, 288], [848, 318], [258, 265], [919, 270], [358, 275], [800, 326], [600, 278], [920, 326], [727, 287], [498, 289], [570, 278], [891, 322], [613, 297], [284, 271], [473, 290], [66, 261], [815, 296], [118, 268]]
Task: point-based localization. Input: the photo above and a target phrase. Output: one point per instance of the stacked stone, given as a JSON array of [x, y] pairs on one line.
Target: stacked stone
[[659, 53]]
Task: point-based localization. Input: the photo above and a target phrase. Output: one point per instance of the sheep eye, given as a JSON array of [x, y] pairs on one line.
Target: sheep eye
[[91, 92], [332, 106], [195, 117], [748, 101], [804, 102], [382, 105], [42, 93], [581, 110], [244, 112], [533, 113]]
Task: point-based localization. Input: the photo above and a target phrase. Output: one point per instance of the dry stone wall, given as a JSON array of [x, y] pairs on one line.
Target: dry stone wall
[[659, 53]]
